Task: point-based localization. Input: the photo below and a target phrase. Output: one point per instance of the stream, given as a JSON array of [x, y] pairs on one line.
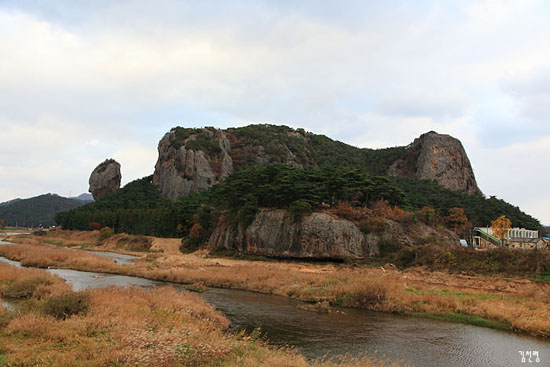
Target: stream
[[420, 342]]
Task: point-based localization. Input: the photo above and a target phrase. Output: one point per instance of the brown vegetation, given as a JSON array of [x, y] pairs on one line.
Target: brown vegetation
[[517, 304], [130, 327]]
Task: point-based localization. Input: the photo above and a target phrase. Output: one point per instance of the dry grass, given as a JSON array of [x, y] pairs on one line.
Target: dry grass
[[516, 304], [134, 327]]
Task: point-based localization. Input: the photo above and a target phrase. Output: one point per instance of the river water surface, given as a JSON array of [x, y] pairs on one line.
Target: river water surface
[[420, 342]]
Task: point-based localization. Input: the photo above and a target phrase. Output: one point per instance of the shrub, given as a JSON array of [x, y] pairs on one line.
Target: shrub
[[40, 232], [25, 288], [376, 224], [135, 243], [300, 207], [368, 295], [105, 233], [67, 304], [388, 246]]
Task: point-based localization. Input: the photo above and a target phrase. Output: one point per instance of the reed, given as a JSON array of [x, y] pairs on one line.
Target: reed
[[515, 304]]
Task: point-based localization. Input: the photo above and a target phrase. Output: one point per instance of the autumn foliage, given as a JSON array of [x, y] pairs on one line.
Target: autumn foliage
[[501, 226], [456, 220]]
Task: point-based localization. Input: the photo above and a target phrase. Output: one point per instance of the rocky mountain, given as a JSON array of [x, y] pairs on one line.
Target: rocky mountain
[[192, 160], [105, 179], [35, 211], [437, 157]]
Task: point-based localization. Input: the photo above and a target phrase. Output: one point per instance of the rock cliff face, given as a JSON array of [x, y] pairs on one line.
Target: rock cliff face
[[105, 179], [277, 233], [192, 160], [438, 157]]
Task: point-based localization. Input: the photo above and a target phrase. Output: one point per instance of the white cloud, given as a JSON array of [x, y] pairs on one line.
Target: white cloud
[[80, 82]]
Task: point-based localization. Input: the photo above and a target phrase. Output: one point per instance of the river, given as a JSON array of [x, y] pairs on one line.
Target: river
[[420, 342]]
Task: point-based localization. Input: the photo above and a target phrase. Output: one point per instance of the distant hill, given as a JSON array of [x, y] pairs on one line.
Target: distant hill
[[85, 197], [39, 210], [9, 202]]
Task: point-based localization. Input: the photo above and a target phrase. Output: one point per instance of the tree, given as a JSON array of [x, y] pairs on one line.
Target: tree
[[500, 227], [456, 220], [2, 223], [427, 215]]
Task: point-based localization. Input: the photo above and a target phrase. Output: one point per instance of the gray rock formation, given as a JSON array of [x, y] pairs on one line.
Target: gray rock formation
[[105, 179], [192, 160], [278, 233], [437, 157], [193, 163]]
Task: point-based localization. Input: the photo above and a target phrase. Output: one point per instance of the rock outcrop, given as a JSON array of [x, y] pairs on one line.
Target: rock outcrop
[[192, 160], [437, 157], [277, 233], [105, 179]]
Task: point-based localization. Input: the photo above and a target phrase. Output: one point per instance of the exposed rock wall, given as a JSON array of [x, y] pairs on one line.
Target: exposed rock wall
[[181, 170], [192, 160], [278, 233], [105, 179], [438, 157]]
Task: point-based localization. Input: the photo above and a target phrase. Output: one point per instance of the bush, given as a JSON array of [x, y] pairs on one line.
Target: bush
[[67, 304], [105, 233], [300, 207], [25, 288], [376, 224], [135, 243], [388, 246], [40, 233], [368, 295]]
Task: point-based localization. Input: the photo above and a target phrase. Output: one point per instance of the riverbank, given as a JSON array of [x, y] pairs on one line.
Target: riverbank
[[45, 323], [510, 304], [54, 326]]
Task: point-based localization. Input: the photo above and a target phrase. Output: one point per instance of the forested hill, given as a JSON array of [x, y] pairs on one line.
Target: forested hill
[[138, 208], [201, 173], [39, 210]]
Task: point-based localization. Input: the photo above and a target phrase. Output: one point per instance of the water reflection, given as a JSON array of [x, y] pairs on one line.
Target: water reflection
[[421, 342]]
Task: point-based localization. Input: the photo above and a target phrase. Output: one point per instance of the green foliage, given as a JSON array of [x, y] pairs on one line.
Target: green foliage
[[37, 210], [181, 134], [277, 186], [480, 210], [137, 208], [300, 207], [67, 304], [205, 142]]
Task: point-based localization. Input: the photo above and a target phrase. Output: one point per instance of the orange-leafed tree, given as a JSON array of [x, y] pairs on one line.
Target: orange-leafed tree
[[500, 227], [456, 220]]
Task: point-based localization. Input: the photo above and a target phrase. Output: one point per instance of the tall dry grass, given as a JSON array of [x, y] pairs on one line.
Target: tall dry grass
[[518, 305], [134, 327]]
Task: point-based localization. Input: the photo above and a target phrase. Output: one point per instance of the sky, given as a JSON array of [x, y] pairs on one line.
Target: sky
[[82, 81]]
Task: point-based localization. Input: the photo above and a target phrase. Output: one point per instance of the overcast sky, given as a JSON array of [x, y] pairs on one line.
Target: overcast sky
[[81, 81]]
